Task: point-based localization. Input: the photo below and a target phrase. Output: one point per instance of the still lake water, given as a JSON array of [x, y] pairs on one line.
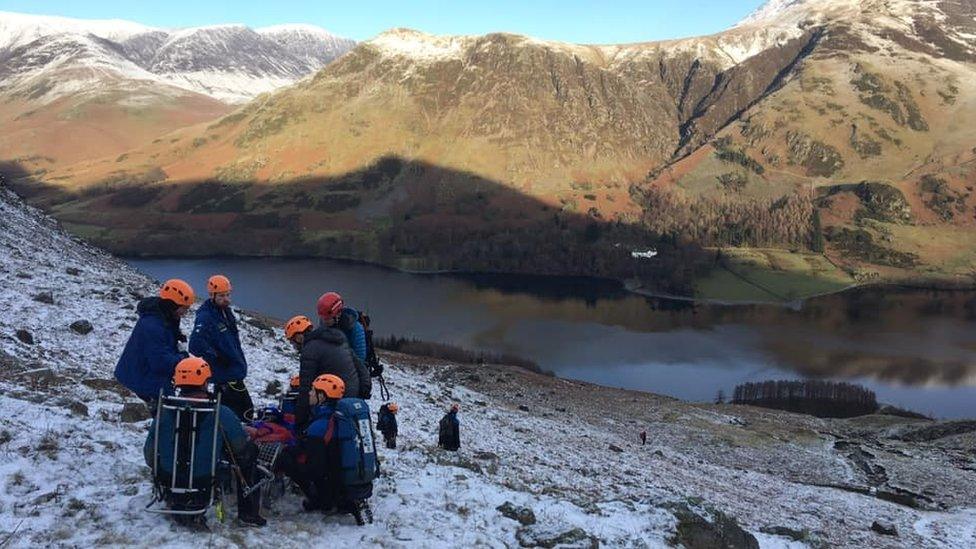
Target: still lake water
[[915, 349]]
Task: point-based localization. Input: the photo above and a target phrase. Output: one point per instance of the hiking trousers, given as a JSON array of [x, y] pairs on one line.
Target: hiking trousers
[[234, 395]]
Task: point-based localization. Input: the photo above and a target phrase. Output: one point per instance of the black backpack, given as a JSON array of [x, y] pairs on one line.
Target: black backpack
[[372, 361]]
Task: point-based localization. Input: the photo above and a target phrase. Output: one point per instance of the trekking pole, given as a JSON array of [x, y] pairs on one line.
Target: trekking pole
[[384, 392], [233, 464]]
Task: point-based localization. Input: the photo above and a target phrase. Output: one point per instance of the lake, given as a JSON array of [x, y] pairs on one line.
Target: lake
[[915, 349]]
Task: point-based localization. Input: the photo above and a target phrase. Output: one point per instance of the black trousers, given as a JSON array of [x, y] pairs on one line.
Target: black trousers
[[314, 467], [234, 395]]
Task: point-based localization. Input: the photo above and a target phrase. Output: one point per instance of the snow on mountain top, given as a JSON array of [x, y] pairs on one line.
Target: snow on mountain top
[[420, 45], [302, 28], [20, 28]]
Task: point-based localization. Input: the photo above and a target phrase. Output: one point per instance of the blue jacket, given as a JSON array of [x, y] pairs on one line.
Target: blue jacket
[[215, 339], [319, 423], [151, 354], [351, 326], [230, 425]]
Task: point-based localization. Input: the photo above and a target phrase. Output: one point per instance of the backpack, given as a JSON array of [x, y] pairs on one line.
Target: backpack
[[352, 431], [372, 361]]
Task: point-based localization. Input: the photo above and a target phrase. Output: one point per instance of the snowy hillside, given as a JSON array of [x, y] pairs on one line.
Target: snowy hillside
[[232, 63], [73, 473]]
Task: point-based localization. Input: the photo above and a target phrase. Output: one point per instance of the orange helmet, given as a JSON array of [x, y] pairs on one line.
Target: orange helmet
[[330, 305], [191, 372], [218, 284], [178, 292], [297, 325], [393, 407], [295, 382], [331, 385]]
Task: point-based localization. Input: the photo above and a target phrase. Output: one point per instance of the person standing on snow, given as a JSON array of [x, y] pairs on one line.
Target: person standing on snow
[[216, 339], [325, 350], [449, 430], [386, 423], [153, 349]]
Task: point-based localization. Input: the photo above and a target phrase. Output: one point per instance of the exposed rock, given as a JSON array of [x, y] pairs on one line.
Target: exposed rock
[[817, 158], [25, 337], [524, 515], [44, 297], [82, 327], [78, 408], [696, 532], [487, 456], [523, 407], [941, 430], [73, 271], [100, 384], [134, 412], [884, 528], [615, 448], [537, 536], [795, 535], [273, 388]]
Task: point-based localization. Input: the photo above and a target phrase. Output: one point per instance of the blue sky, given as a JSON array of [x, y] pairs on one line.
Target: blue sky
[[568, 20]]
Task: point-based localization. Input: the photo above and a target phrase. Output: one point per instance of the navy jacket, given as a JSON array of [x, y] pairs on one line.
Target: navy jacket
[[230, 425], [215, 339], [351, 326], [151, 354], [319, 423]]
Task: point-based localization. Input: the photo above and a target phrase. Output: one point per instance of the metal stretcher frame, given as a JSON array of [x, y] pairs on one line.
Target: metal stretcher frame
[[195, 406]]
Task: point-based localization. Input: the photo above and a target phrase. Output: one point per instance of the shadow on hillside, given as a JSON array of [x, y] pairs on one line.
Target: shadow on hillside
[[396, 212]]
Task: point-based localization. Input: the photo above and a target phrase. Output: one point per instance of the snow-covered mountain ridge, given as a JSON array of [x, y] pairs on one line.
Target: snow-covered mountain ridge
[[73, 473], [232, 63]]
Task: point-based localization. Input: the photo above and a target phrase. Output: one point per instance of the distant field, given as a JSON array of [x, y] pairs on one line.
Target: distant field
[[771, 275]]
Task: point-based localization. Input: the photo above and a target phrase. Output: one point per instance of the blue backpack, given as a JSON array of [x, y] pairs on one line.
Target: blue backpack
[[357, 447]]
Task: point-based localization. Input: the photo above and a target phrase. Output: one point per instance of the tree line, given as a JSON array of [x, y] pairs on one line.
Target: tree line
[[815, 397]]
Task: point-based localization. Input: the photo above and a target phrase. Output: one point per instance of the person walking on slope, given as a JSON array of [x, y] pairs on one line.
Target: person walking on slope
[[216, 339], [449, 431], [191, 377], [325, 350], [386, 423], [153, 350]]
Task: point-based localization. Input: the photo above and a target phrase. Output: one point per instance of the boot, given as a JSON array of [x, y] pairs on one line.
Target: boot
[[249, 508]]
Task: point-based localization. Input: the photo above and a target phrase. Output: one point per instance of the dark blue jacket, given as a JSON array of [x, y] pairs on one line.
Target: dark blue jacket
[[230, 425], [351, 326], [151, 354], [215, 339], [386, 423], [319, 423]]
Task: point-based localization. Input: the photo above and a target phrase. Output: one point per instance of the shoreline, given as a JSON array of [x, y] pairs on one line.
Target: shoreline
[[629, 285]]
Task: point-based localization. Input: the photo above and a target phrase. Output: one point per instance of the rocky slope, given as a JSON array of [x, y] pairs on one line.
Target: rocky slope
[[756, 137], [543, 460]]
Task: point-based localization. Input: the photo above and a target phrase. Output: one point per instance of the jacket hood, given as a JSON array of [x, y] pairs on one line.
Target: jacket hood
[[152, 306], [328, 334]]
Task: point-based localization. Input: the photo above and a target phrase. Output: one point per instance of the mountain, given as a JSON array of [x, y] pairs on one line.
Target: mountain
[[77, 89], [75, 475], [232, 63], [825, 139]]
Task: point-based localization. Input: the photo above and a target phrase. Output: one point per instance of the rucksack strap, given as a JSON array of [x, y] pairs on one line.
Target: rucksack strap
[[330, 430]]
